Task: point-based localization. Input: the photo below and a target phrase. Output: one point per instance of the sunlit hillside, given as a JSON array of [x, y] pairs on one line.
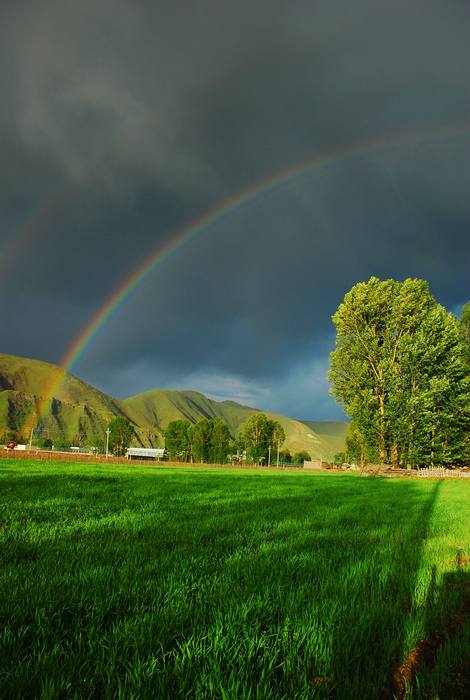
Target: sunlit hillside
[[332, 434], [80, 413]]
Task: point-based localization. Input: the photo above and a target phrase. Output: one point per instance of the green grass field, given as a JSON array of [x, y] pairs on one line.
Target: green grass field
[[137, 582]]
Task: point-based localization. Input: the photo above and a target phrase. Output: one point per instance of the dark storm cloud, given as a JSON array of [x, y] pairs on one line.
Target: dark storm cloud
[[125, 121]]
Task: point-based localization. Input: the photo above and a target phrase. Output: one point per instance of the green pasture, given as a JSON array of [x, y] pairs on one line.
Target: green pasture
[[154, 582]]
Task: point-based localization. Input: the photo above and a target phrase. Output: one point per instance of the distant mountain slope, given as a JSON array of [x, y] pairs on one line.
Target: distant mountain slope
[[80, 413], [160, 406], [34, 376], [332, 434]]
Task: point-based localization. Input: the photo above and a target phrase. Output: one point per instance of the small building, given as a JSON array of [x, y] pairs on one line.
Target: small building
[[145, 453], [315, 465]]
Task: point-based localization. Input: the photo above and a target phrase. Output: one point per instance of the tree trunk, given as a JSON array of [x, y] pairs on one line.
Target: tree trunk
[[382, 450]]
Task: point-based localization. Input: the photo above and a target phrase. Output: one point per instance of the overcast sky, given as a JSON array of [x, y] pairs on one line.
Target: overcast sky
[[122, 121]]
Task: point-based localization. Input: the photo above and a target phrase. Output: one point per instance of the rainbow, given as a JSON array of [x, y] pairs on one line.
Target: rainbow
[[16, 243], [186, 234]]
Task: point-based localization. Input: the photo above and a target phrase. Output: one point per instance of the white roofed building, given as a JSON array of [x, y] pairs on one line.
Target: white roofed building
[[145, 453]]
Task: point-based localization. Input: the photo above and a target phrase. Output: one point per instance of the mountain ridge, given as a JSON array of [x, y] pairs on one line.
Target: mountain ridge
[[80, 412]]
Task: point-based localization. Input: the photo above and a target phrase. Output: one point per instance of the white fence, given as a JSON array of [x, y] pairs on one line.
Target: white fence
[[440, 472]]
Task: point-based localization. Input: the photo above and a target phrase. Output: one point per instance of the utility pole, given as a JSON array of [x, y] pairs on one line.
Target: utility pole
[[269, 456], [107, 441]]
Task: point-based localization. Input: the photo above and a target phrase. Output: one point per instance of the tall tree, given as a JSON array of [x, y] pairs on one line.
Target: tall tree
[[178, 440], [432, 415], [259, 434], [201, 435], [278, 437], [400, 368], [121, 433], [220, 442], [357, 449]]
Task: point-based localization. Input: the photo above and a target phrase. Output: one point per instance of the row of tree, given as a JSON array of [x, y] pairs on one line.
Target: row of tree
[[121, 434], [206, 441], [401, 369], [210, 441]]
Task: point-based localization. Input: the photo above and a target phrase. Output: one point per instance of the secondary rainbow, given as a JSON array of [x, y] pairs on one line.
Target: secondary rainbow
[[14, 246], [184, 235]]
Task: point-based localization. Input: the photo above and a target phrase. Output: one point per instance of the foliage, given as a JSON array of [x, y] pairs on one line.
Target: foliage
[[211, 441], [339, 458], [61, 444], [121, 433], [178, 440], [465, 319], [356, 448], [255, 437], [278, 438], [201, 435], [301, 457], [208, 441], [220, 442], [258, 435], [10, 436], [401, 370]]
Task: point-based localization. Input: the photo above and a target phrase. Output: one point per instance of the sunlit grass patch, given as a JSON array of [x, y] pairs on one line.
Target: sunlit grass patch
[[162, 582]]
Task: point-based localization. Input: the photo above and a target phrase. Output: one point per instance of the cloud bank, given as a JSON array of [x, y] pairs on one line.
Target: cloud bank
[[124, 121]]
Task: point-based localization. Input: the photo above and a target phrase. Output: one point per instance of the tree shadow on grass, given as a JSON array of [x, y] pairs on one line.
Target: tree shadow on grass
[[439, 664], [371, 633]]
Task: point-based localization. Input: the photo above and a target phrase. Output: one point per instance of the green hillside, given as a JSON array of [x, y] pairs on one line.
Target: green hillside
[[34, 376], [332, 434], [80, 413], [160, 406]]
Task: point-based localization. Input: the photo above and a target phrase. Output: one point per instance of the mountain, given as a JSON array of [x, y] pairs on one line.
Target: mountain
[[332, 435], [160, 406], [80, 413], [33, 376]]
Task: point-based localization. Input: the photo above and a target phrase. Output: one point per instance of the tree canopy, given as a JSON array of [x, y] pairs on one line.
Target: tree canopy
[[178, 440], [258, 435], [220, 439], [465, 319], [301, 457], [121, 433], [210, 441], [207, 441], [401, 370]]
